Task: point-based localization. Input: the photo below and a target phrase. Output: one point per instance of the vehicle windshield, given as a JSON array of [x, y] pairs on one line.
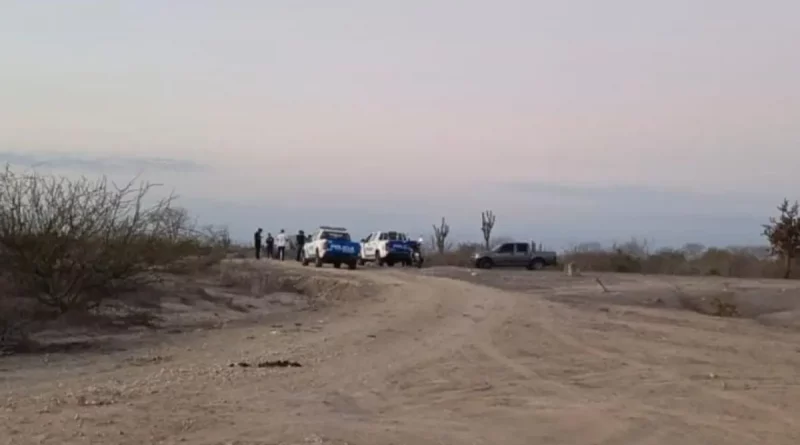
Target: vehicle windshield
[[397, 236], [335, 235]]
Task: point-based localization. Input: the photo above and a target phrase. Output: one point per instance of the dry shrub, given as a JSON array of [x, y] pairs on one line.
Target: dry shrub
[[634, 257], [460, 256], [604, 261], [261, 280], [718, 305], [13, 328], [671, 262], [69, 244], [724, 309], [450, 258], [214, 245], [731, 262], [239, 252]]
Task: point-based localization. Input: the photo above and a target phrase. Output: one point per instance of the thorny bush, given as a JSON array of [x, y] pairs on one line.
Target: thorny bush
[[71, 243]]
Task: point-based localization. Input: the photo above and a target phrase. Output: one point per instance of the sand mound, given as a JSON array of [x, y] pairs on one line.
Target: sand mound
[[263, 280]]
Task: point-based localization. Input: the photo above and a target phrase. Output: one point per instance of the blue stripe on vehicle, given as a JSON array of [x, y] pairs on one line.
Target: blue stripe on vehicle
[[341, 247]]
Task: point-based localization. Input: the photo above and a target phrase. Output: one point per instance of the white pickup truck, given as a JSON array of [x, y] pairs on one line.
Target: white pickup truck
[[388, 248], [331, 245]]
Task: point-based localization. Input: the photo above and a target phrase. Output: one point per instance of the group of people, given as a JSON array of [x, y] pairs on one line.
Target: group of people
[[280, 242]]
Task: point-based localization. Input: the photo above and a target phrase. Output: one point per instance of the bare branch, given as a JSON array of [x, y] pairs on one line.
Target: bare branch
[[71, 243]]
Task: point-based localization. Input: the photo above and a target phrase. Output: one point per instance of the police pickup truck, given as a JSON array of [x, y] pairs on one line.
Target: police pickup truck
[[331, 245], [386, 248]]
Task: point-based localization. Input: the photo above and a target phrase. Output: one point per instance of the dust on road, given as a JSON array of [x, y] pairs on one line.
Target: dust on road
[[424, 359]]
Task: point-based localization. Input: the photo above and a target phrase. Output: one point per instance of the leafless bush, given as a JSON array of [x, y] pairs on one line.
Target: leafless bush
[[693, 250], [71, 243], [634, 248], [214, 245], [732, 262], [459, 256], [13, 323], [724, 308], [217, 236], [720, 305]]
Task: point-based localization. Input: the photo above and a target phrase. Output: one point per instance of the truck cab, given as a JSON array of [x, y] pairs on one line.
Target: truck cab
[[515, 254], [386, 247], [331, 245]]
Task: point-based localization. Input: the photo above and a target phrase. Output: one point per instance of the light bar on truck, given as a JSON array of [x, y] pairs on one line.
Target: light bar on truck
[[335, 229]]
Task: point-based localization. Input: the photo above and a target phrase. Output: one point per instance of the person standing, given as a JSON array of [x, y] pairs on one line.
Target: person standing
[[270, 246], [257, 242], [300, 241], [280, 242]]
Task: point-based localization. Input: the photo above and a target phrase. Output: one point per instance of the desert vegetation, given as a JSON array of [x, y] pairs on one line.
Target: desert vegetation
[[783, 234], [776, 259], [440, 234], [76, 245], [71, 245]]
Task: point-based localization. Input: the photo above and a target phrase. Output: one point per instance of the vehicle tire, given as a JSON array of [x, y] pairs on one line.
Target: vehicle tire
[[303, 258], [390, 263], [536, 264], [485, 263], [361, 261], [352, 265], [318, 260], [337, 265], [378, 260]]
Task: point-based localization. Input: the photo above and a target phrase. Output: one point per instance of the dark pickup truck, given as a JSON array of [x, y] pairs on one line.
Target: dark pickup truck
[[515, 255]]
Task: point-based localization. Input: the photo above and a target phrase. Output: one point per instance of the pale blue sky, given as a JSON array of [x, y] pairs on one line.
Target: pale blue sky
[[577, 120]]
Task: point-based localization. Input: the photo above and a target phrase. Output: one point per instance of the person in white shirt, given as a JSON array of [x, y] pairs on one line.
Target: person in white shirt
[[280, 242]]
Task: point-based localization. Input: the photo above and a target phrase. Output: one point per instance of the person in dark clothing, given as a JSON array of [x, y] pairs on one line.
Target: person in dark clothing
[[257, 241], [270, 246], [300, 241]]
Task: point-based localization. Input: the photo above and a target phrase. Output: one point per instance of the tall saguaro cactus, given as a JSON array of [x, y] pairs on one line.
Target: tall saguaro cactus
[[440, 235], [487, 224]]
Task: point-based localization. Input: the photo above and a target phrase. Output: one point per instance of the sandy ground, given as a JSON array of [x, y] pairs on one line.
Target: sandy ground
[[438, 356]]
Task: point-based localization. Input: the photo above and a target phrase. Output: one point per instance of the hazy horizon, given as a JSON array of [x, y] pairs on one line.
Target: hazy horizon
[[574, 121]]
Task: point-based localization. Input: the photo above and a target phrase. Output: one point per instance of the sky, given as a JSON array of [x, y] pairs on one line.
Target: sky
[[574, 121]]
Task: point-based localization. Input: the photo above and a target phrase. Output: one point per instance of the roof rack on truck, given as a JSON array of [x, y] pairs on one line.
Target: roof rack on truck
[[335, 229]]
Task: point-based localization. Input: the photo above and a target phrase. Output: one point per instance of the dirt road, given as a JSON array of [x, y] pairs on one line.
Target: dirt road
[[413, 358]]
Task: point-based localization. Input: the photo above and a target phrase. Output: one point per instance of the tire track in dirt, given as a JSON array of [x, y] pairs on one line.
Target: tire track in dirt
[[553, 324], [425, 360], [466, 317], [604, 429], [549, 323], [409, 333]]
